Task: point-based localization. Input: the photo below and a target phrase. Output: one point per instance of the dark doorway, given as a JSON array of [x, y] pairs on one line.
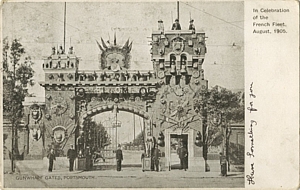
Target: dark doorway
[[175, 142]]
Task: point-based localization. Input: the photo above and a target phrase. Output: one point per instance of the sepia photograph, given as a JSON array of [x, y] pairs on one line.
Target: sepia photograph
[[123, 94]]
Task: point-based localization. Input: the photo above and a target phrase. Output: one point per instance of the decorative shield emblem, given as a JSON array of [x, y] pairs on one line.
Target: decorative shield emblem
[[178, 46], [59, 134]]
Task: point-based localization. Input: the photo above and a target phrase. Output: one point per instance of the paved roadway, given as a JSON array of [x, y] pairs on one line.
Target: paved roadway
[[32, 177]]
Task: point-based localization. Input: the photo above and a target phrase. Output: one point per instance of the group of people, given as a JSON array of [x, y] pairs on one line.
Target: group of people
[[176, 25], [155, 156], [71, 155]]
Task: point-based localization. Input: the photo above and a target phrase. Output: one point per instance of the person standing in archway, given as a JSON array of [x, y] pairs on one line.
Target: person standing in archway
[[71, 155], [183, 157], [119, 158]]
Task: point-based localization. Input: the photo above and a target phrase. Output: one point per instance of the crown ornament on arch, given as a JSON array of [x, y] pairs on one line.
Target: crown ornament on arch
[[114, 57]]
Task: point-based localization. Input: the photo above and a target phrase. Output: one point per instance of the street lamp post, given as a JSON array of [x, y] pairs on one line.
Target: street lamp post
[[116, 129], [12, 147]]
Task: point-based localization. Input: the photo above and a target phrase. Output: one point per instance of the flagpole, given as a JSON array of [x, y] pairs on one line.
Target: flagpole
[[65, 26], [178, 10]]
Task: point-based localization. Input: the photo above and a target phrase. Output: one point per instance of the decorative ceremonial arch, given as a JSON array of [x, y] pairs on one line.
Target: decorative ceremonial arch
[[169, 97]]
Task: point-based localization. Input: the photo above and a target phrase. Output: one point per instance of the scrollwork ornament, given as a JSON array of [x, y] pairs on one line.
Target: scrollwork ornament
[[196, 74], [48, 116], [163, 101], [72, 96], [161, 74], [49, 97], [80, 92], [51, 76], [72, 116], [70, 76]]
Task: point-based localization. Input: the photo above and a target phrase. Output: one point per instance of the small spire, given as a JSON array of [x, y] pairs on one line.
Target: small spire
[[115, 39], [130, 46], [101, 48], [103, 43], [126, 44]]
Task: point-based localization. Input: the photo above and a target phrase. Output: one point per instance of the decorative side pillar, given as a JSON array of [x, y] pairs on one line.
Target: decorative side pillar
[[34, 111]]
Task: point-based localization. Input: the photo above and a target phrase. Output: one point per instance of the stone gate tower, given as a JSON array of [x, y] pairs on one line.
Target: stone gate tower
[[177, 57], [59, 117]]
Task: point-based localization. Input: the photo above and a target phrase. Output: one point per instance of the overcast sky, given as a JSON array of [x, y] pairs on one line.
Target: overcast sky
[[40, 26]]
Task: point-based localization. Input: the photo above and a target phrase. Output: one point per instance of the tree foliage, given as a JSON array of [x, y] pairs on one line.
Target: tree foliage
[[17, 74], [95, 134], [139, 139], [230, 104]]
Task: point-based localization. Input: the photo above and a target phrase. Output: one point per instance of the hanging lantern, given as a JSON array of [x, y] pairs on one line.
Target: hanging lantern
[[183, 69], [195, 65], [161, 140], [173, 68], [161, 65], [199, 141]]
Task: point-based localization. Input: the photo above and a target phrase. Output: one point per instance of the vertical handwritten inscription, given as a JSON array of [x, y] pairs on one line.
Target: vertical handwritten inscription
[[250, 153], [251, 137], [252, 95], [250, 177]]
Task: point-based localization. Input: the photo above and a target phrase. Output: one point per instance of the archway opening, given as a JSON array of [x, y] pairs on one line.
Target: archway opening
[[125, 129]]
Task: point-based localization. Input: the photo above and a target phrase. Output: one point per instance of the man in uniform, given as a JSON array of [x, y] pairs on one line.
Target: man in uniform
[[223, 164], [80, 144], [51, 157], [160, 26], [192, 26], [71, 155], [119, 158], [155, 158], [176, 25], [183, 157]]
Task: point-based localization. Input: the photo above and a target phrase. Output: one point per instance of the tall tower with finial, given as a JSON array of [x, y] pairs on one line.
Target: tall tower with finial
[[177, 56]]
